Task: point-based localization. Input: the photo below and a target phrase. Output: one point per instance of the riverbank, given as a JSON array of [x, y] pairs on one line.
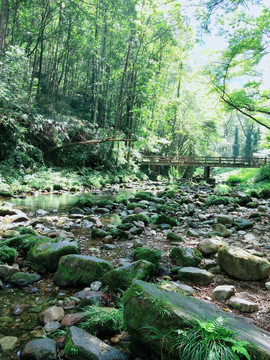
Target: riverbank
[[149, 235]]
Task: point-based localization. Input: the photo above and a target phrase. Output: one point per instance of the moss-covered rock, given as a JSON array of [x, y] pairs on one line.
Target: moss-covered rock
[[24, 243], [242, 265], [7, 254], [122, 277], [133, 206], [147, 307], [125, 226], [6, 194], [144, 195], [165, 219], [84, 202], [119, 234], [6, 211], [80, 269], [135, 217], [185, 256], [104, 203], [151, 255], [99, 233], [24, 279], [49, 254]]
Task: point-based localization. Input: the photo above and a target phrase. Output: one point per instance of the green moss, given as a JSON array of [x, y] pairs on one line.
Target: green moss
[[119, 234], [144, 195], [152, 255], [168, 193], [7, 254], [185, 256], [164, 219], [104, 203], [99, 233], [125, 226], [6, 193], [26, 230], [133, 206], [24, 243], [84, 202], [135, 217], [174, 237]]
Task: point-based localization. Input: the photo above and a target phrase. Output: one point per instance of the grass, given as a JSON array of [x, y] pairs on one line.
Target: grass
[[203, 340], [98, 319]]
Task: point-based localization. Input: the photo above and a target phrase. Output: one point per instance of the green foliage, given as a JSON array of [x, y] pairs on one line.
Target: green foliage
[[242, 176], [144, 195], [84, 202], [7, 254], [203, 340], [98, 319], [164, 219], [263, 174]]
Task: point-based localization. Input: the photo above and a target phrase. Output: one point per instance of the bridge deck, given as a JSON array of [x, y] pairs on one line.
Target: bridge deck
[[210, 161]]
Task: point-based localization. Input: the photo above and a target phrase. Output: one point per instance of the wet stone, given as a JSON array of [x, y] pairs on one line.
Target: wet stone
[[243, 305], [223, 292], [8, 343], [40, 349]]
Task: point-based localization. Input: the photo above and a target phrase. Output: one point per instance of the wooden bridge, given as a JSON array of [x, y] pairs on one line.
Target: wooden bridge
[[212, 161], [206, 161]]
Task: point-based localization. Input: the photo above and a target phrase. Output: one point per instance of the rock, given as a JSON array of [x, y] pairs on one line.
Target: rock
[[165, 219], [242, 224], [40, 349], [7, 254], [151, 255], [18, 218], [24, 279], [267, 285], [241, 265], [81, 345], [41, 212], [222, 230], [135, 217], [210, 246], [54, 313], [195, 275], [243, 198], [122, 277], [96, 285], [80, 269], [52, 326], [108, 239], [99, 234], [5, 211], [225, 219], [72, 319], [145, 305], [17, 309], [100, 210], [49, 254], [193, 233], [138, 210], [243, 305], [135, 231], [185, 256], [10, 233], [6, 271], [119, 234], [8, 343], [137, 243], [174, 237], [223, 292]]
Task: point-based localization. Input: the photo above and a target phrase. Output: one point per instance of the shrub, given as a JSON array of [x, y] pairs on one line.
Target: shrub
[[263, 174]]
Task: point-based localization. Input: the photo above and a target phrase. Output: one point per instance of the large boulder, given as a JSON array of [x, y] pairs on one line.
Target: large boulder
[[48, 255], [80, 345], [22, 279], [242, 265], [146, 307], [80, 269], [185, 256], [121, 277]]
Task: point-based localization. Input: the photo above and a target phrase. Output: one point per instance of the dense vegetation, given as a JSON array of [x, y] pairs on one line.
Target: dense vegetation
[[73, 72]]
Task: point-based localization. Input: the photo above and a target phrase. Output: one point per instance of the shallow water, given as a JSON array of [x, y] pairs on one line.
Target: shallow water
[[61, 203]]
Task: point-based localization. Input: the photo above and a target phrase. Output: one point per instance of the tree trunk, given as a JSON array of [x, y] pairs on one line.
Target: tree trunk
[[3, 26]]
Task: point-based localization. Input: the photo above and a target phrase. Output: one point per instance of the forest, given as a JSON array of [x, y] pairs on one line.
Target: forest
[[104, 255]]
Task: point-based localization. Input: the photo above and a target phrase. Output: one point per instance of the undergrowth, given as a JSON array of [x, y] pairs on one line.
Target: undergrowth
[[202, 340]]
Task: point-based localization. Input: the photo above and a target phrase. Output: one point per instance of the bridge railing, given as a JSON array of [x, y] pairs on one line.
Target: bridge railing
[[206, 161]]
